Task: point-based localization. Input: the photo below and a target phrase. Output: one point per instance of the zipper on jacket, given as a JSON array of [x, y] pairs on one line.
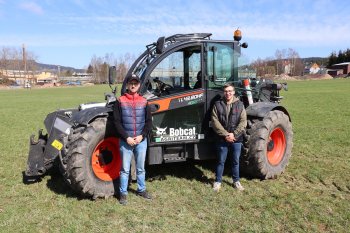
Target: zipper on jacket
[[134, 112]]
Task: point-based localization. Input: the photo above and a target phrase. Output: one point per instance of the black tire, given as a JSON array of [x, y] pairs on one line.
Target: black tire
[[63, 154], [268, 145], [89, 152]]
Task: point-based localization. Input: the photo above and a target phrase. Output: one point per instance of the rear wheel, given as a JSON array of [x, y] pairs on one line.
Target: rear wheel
[[93, 160], [268, 145]]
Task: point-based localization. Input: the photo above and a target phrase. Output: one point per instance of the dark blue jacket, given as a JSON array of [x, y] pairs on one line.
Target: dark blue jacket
[[132, 116]]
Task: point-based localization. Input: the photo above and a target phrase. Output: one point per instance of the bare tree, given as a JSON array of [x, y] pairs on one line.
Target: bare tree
[[264, 67], [99, 66], [11, 59], [4, 64], [280, 56], [31, 64]]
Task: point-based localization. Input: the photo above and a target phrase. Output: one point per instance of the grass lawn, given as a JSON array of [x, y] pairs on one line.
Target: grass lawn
[[313, 195]]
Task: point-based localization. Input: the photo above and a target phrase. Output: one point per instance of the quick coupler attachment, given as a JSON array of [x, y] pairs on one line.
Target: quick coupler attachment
[[35, 164]]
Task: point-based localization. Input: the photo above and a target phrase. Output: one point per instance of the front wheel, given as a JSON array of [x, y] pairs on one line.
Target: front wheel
[[269, 143], [94, 162]]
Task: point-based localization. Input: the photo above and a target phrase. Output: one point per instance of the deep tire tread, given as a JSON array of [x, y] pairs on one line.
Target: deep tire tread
[[79, 174], [254, 161]]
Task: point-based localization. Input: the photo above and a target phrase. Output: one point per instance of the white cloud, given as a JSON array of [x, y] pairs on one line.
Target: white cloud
[[32, 7], [307, 27], [55, 40]]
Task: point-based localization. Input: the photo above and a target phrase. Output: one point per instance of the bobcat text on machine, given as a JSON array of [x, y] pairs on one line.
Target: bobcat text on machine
[[181, 76]]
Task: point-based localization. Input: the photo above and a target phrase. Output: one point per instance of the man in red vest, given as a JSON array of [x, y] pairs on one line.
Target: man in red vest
[[133, 121]]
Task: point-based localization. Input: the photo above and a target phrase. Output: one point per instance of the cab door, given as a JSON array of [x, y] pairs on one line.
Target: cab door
[[221, 67], [176, 99]]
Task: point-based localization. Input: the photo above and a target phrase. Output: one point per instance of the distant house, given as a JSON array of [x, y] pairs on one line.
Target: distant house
[[335, 72], [339, 69], [287, 67], [314, 69], [32, 77], [45, 77]]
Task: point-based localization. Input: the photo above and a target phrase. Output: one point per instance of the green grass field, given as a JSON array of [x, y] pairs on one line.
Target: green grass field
[[313, 195]]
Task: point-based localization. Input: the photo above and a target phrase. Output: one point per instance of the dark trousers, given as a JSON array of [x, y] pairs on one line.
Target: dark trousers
[[234, 151]]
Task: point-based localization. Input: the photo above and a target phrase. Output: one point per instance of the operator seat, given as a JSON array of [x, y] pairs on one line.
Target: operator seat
[[198, 84]]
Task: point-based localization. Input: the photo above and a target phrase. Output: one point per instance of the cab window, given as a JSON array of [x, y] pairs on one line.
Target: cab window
[[176, 73], [220, 64]]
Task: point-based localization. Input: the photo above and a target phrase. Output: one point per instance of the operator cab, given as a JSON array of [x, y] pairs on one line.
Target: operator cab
[[182, 76]]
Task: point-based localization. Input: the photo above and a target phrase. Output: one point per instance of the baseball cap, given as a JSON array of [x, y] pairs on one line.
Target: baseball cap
[[133, 77]]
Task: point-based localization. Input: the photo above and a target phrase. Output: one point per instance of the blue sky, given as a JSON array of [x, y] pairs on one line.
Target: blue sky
[[70, 32]]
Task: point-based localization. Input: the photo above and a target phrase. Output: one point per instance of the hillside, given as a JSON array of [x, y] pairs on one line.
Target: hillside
[[42, 66], [318, 60]]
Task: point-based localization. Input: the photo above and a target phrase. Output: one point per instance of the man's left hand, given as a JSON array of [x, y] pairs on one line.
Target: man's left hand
[[138, 139]]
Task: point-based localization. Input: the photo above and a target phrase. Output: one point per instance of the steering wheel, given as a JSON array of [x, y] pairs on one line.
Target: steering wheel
[[162, 87]]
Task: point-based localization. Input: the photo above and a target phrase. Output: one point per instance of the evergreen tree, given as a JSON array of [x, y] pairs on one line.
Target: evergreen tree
[[332, 59], [90, 69], [341, 57], [347, 55]]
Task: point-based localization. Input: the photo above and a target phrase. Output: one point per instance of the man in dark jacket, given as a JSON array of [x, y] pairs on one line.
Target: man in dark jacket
[[133, 121], [229, 120]]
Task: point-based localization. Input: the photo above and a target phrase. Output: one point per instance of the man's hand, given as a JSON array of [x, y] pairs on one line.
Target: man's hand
[[230, 138], [131, 141], [138, 139]]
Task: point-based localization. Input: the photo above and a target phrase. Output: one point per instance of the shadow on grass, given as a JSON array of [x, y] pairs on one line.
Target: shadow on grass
[[191, 170], [184, 170], [57, 184]]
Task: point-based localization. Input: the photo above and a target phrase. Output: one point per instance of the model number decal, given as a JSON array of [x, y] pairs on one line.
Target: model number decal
[[190, 99]]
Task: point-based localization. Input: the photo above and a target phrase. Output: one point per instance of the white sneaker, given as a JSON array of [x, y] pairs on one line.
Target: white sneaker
[[238, 186], [216, 186]]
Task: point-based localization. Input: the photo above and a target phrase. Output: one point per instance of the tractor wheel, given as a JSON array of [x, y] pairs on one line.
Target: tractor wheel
[[268, 145], [93, 160]]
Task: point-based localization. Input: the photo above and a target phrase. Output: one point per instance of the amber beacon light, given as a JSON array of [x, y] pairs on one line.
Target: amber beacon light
[[237, 35]]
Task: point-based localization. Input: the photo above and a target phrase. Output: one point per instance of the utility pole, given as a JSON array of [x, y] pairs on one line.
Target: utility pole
[[24, 63], [58, 73]]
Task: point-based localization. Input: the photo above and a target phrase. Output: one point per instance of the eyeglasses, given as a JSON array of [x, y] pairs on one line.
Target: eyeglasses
[[133, 84]]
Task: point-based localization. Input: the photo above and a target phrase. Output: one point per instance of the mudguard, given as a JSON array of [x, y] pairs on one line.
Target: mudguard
[[84, 117], [261, 109]]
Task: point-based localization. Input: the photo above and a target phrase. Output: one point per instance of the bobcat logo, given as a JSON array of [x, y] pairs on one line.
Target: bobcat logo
[[161, 131]]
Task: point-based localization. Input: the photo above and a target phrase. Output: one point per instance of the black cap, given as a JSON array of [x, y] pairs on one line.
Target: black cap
[[133, 77]]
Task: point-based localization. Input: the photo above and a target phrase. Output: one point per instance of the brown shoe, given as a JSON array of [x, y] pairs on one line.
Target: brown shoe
[[122, 199], [145, 195]]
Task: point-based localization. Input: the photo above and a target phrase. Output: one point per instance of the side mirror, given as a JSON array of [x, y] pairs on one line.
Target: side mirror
[[160, 45], [244, 45], [112, 73]]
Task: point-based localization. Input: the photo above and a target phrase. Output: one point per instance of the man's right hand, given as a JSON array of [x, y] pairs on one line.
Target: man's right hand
[[131, 141], [230, 138]]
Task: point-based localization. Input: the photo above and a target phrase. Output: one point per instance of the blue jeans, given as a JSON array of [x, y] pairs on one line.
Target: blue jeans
[[234, 150], [126, 153]]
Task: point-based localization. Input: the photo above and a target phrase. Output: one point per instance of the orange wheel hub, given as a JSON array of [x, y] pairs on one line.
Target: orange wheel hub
[[276, 146], [106, 161]]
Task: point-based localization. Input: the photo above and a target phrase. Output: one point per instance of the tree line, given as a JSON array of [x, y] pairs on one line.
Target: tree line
[[12, 61], [98, 67], [342, 56], [285, 61]]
